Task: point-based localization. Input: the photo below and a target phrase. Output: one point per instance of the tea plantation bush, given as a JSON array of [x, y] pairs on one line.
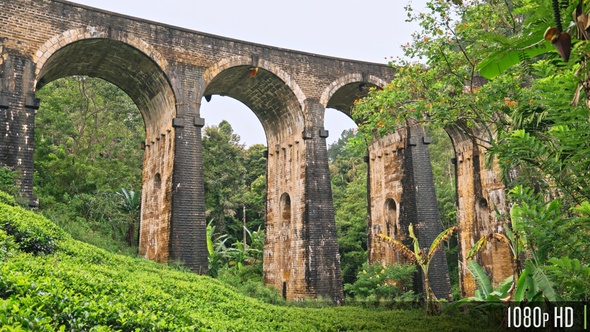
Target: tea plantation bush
[[50, 282]]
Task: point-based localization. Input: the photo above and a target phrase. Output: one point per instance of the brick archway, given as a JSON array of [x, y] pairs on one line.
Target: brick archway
[[141, 77], [254, 62], [58, 41], [268, 91], [341, 93]]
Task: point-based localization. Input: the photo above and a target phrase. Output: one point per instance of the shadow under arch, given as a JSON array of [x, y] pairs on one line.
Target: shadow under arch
[[121, 64], [342, 93], [268, 92], [140, 76]]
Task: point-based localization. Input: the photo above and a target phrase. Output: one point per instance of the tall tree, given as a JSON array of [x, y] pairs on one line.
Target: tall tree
[[348, 174], [234, 180], [254, 199], [87, 137], [224, 173]]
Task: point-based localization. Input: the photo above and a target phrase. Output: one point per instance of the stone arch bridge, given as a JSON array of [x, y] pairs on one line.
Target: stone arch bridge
[[167, 71]]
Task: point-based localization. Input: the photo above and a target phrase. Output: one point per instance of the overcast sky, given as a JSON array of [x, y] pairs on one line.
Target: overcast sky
[[370, 31]]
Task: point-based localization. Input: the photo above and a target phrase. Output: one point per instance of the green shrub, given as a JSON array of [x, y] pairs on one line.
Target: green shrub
[[7, 198], [32, 233], [7, 245], [94, 219], [248, 281], [82, 288], [22, 315], [377, 282], [7, 180]]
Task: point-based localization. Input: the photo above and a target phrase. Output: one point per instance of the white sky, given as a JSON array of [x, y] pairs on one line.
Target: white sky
[[370, 31]]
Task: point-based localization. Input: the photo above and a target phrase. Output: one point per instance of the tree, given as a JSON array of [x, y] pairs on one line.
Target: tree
[[348, 174], [338, 148], [527, 114], [234, 180], [224, 172], [254, 198], [131, 205], [88, 138]]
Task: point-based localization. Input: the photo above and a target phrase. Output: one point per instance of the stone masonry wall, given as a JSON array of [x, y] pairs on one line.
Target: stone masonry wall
[[402, 193], [479, 193]]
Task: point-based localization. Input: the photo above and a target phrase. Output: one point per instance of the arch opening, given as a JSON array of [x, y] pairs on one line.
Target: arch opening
[[276, 108], [391, 219], [285, 209], [243, 121], [277, 103], [285, 235], [234, 136], [349, 175], [145, 83], [88, 161], [122, 65], [340, 126], [265, 94]]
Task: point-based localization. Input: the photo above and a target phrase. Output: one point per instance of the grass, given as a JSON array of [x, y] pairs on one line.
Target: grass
[[51, 282]]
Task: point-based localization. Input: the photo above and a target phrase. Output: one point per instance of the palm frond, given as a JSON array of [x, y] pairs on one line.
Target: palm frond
[[402, 248], [481, 278], [443, 236]]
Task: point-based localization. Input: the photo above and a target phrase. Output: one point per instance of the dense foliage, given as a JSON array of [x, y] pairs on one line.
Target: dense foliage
[[348, 174], [80, 287], [88, 161], [387, 283], [235, 181], [87, 139], [530, 114]]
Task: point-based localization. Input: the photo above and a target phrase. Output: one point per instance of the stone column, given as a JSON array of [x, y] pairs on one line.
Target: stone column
[[419, 193], [402, 192], [480, 193], [188, 226], [17, 119], [322, 270]]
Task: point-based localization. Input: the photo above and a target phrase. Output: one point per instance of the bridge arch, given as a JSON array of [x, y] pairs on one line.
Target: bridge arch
[[290, 257], [251, 61], [138, 70], [126, 61], [342, 92], [67, 37], [266, 89]]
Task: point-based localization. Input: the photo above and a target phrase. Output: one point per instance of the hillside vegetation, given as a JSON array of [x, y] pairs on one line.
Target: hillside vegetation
[[50, 282]]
